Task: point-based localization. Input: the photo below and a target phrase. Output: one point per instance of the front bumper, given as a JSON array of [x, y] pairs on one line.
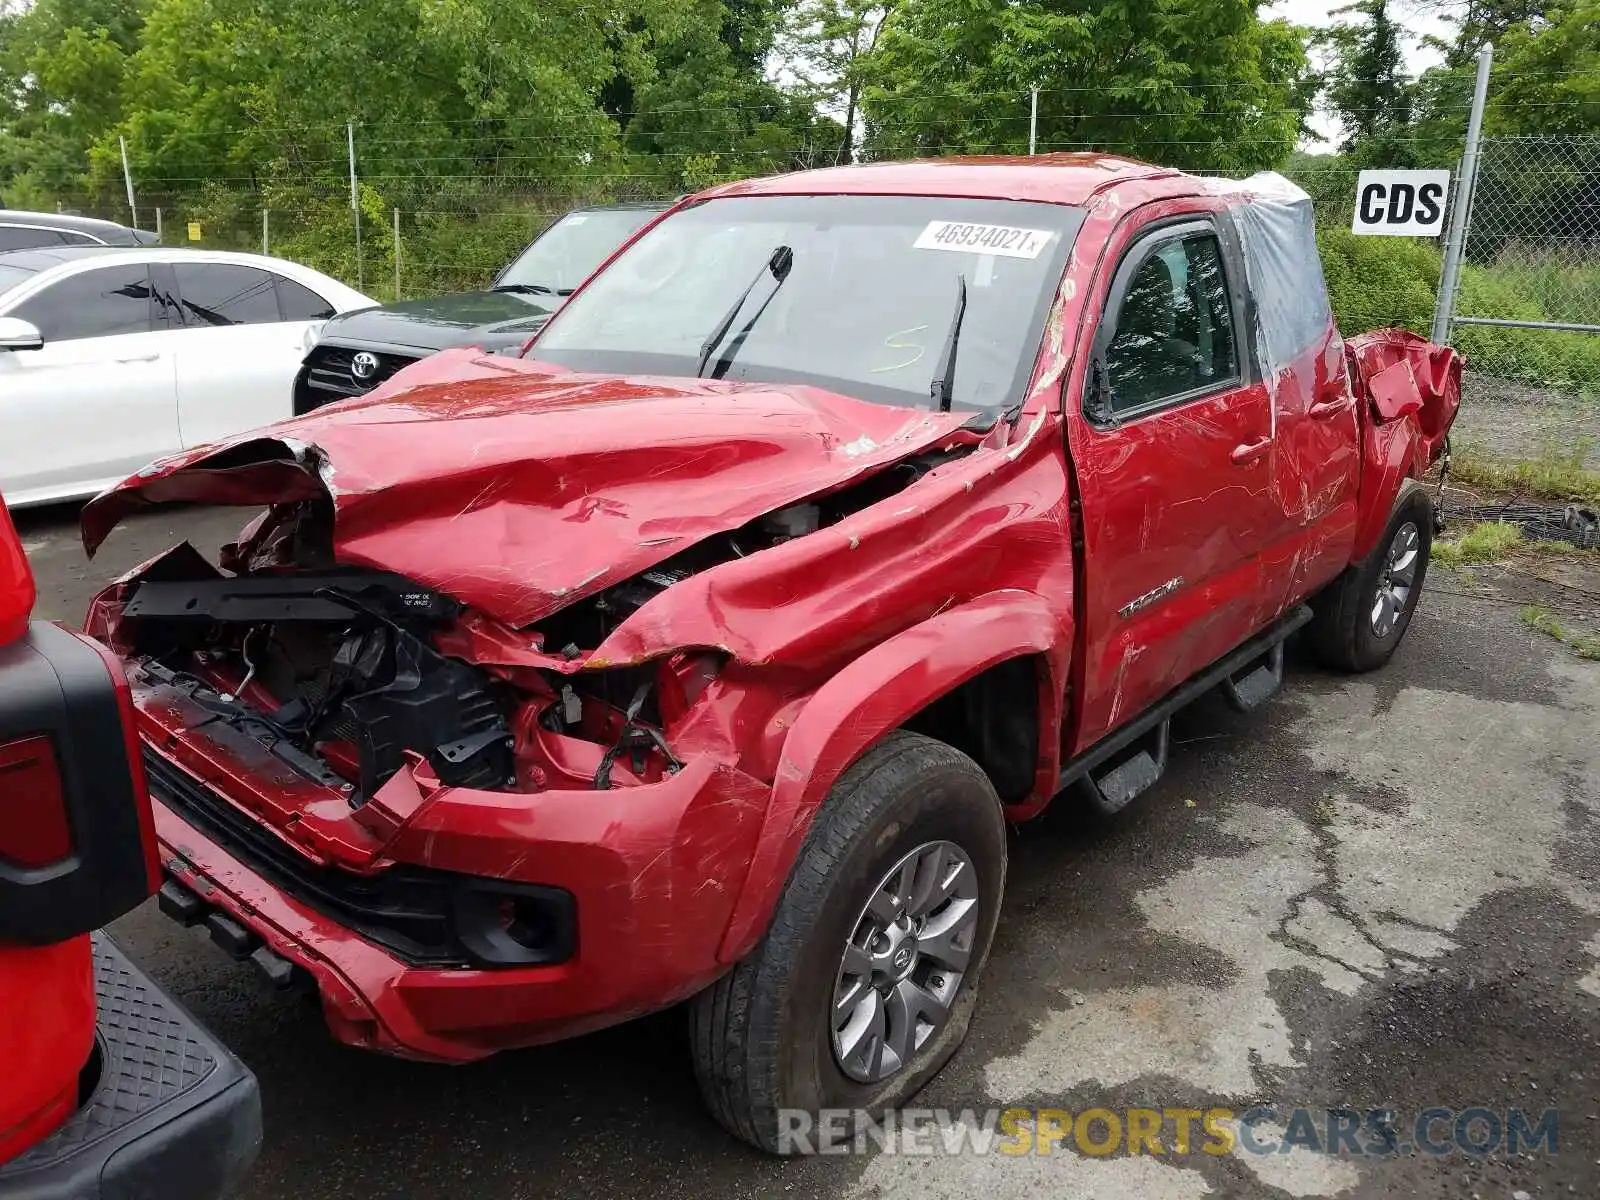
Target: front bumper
[[172, 1114], [654, 871]]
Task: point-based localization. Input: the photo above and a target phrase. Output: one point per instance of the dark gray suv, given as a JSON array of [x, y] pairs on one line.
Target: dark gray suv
[[35, 231]]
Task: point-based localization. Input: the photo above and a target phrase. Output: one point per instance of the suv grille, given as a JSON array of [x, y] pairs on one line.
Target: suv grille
[[406, 910], [329, 375]]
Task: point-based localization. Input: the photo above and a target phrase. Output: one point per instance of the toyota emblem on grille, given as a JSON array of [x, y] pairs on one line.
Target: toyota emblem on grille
[[363, 366]]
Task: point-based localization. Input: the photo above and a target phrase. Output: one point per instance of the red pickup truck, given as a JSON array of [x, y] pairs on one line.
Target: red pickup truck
[[704, 652], [112, 1091]]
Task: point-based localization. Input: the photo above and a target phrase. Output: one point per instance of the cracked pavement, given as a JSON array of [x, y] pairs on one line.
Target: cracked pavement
[[1375, 891]]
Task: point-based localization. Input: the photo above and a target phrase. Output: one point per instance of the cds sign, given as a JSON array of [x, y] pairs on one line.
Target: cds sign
[[1401, 203]]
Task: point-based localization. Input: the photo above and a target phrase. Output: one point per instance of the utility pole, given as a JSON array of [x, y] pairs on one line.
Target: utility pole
[[355, 205], [127, 178]]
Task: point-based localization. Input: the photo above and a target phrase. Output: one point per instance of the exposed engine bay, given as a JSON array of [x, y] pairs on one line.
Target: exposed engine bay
[[336, 672], [328, 668]]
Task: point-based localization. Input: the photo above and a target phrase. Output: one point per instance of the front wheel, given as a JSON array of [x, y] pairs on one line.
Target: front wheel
[[1359, 620], [865, 983]]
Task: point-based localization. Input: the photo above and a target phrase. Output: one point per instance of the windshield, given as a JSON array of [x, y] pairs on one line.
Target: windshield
[[866, 307], [567, 253], [10, 277]]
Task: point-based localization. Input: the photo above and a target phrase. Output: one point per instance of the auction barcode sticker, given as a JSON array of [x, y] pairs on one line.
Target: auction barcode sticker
[[983, 239]]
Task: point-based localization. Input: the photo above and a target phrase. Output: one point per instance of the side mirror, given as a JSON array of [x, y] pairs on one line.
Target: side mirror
[[17, 334], [1100, 408]]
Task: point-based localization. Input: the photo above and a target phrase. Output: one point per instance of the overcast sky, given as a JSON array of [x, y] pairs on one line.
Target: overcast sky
[[1418, 18]]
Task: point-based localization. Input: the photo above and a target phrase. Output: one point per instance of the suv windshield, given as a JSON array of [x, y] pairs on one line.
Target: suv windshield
[[11, 276], [866, 306], [567, 253]]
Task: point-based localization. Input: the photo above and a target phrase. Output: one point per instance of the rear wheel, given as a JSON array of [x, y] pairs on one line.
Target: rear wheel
[[1360, 619], [865, 983]]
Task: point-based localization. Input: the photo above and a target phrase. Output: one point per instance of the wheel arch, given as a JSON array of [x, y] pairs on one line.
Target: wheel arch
[[1392, 454], [885, 688]]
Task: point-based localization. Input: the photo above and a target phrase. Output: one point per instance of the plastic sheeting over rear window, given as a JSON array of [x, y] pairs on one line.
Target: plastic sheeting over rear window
[[1278, 232]]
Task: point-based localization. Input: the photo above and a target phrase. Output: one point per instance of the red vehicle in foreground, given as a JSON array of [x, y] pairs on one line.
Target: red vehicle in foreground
[[110, 1089], [704, 653]]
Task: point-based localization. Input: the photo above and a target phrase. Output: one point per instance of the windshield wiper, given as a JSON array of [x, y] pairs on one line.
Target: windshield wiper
[[778, 266], [537, 289], [943, 387]]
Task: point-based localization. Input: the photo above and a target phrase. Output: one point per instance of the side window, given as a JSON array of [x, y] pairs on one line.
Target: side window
[[223, 294], [98, 303], [1174, 331], [301, 303], [22, 237], [168, 310], [78, 239]]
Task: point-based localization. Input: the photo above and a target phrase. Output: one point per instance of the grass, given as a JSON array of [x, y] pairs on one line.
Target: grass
[[1553, 475], [1487, 541], [1542, 620]]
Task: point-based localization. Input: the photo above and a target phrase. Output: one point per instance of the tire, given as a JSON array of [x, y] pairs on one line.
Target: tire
[[1346, 632], [762, 1037]]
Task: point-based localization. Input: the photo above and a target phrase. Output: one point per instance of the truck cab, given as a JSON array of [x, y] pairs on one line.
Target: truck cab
[[112, 1089], [704, 652]]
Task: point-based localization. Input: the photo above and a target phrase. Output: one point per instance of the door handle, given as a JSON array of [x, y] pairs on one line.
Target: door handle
[[139, 358], [1328, 408], [1246, 454]]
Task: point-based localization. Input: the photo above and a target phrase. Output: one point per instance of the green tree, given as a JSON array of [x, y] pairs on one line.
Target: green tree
[[705, 110], [1205, 84], [1481, 21], [1367, 86], [62, 64], [828, 40], [1546, 77], [1549, 74]]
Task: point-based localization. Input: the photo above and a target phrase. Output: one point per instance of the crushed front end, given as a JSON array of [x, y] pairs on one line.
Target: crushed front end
[[461, 857], [478, 798]]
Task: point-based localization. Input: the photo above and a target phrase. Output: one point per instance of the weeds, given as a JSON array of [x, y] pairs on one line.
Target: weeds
[[1541, 620], [1556, 474], [1487, 541]]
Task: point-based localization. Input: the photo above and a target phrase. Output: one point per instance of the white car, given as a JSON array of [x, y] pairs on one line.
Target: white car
[[111, 357]]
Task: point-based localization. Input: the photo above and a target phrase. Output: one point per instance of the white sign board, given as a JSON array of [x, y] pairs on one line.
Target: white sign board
[[1401, 203]]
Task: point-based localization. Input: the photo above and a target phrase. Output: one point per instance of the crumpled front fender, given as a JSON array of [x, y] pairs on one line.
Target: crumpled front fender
[[1410, 390], [879, 692]]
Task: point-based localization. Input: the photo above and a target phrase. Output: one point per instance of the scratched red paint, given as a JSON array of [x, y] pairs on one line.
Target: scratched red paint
[[519, 488]]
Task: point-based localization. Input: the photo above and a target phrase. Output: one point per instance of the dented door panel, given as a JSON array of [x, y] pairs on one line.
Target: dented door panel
[[1168, 586], [1318, 467]]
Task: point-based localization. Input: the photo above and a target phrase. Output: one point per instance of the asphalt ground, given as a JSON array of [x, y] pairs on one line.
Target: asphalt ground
[[1374, 893]]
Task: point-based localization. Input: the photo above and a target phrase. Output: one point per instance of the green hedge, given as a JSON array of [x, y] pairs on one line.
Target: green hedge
[[1379, 281]]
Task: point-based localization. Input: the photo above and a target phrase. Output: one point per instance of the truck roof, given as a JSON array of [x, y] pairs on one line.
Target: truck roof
[[1047, 178]]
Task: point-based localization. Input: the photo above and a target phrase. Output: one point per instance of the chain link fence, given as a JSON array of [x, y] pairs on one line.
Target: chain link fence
[[1527, 312]]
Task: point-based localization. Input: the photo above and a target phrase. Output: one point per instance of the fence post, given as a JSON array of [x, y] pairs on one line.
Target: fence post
[[159, 238], [397, 254], [266, 234], [355, 206], [127, 177], [1466, 182], [1033, 122]]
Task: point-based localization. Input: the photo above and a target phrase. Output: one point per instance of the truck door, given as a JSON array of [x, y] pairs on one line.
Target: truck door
[[1174, 455], [1318, 464]]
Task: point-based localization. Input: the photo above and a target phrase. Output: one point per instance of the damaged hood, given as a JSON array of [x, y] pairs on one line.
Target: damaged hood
[[518, 489]]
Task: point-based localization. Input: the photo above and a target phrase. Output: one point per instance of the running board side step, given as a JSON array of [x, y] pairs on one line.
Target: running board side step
[[1111, 790], [1129, 761], [1259, 682]]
